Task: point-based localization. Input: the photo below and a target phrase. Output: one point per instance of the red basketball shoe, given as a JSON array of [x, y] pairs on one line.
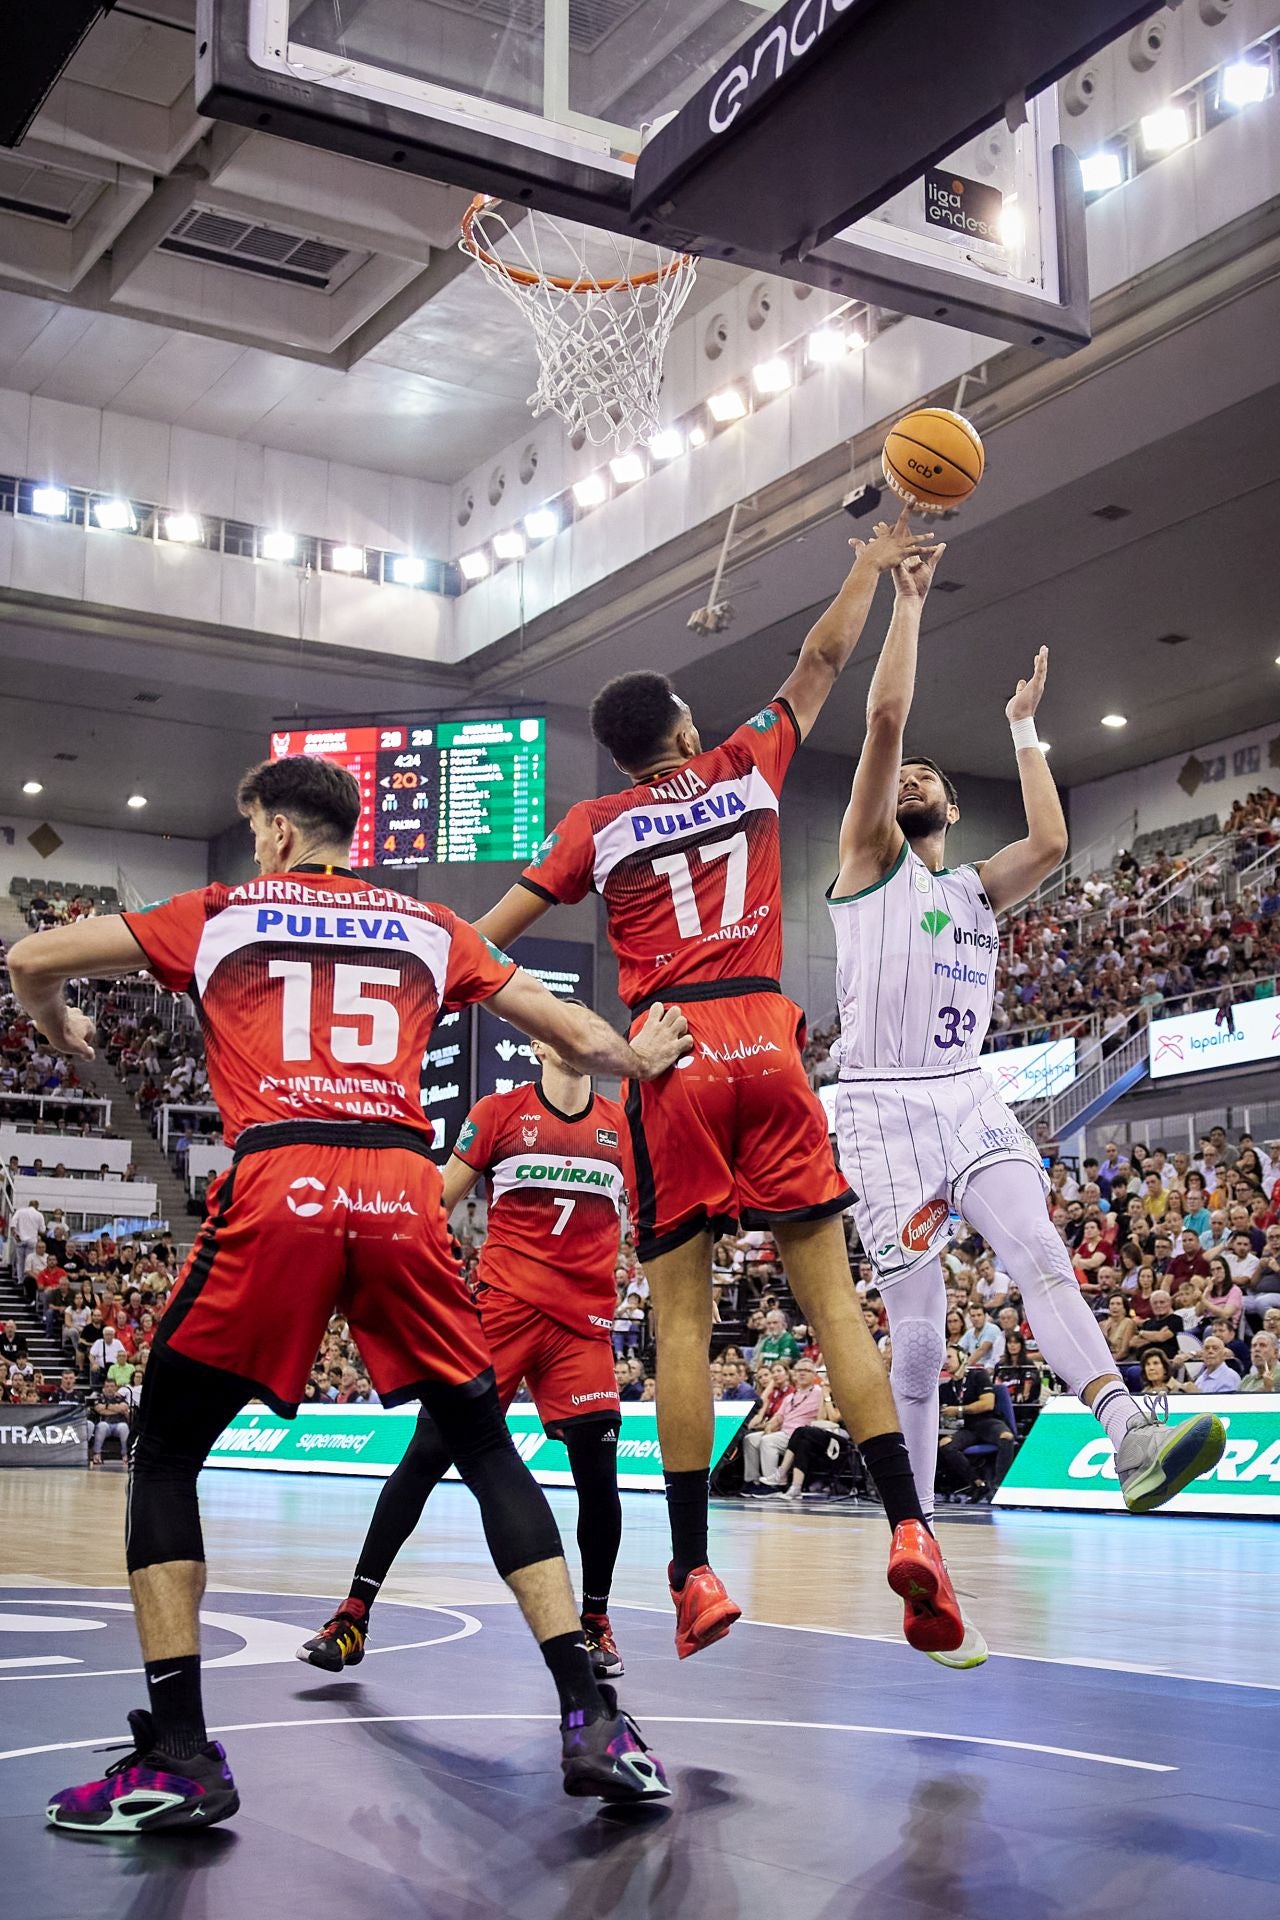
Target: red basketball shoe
[[931, 1621], [704, 1611]]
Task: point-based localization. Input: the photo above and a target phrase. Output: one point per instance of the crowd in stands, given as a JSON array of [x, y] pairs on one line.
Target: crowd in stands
[[52, 903]]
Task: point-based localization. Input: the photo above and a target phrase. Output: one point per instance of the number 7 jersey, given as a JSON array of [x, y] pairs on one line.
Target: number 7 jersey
[[915, 970], [688, 867], [317, 992]]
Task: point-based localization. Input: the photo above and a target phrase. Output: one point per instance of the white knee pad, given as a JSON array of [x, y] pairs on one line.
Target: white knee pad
[[918, 1353]]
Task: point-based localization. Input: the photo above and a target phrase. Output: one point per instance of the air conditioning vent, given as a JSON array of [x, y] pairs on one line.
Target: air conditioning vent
[[42, 193], [66, 756], [1172, 639], [1111, 513], [267, 251], [146, 699]]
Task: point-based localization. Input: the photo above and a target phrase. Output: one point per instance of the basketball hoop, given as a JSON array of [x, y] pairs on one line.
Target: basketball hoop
[[601, 307]]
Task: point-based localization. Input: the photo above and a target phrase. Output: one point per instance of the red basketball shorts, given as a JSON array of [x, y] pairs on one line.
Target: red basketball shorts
[[569, 1375], [735, 1133], [297, 1233]]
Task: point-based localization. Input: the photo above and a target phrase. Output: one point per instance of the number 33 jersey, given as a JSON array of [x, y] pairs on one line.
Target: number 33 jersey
[[317, 992], [915, 970], [556, 1183]]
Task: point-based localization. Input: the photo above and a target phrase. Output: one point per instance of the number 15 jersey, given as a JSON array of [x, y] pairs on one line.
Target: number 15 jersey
[[915, 970], [689, 867]]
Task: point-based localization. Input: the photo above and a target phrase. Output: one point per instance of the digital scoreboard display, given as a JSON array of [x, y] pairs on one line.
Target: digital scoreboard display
[[437, 792]]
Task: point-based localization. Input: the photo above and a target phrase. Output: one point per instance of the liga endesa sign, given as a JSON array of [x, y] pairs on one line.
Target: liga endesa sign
[[1067, 1461], [47, 1436], [372, 1440]]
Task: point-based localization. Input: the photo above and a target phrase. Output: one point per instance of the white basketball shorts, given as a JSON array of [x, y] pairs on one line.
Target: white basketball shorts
[[908, 1148]]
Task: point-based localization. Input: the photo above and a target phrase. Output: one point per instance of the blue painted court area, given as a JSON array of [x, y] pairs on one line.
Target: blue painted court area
[[815, 1774]]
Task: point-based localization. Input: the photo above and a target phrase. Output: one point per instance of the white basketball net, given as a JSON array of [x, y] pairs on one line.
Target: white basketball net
[[601, 318]]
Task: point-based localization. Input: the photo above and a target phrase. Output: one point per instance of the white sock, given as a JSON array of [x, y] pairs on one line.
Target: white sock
[[1116, 1410]]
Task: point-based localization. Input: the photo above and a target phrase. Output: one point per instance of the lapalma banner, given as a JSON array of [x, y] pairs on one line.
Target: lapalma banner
[[46, 1436], [371, 1441], [1067, 1461]]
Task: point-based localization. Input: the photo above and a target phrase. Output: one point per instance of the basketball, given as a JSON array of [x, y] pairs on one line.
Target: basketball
[[933, 458]]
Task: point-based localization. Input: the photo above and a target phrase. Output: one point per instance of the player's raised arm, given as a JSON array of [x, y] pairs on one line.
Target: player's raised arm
[[459, 1179], [870, 837], [585, 1041], [1018, 869], [831, 640], [511, 916], [41, 964]]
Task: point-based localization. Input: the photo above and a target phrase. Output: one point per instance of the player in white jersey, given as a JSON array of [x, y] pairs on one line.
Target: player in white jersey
[[920, 1129]]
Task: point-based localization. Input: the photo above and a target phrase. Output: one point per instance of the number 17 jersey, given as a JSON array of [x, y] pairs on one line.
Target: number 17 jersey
[[915, 970]]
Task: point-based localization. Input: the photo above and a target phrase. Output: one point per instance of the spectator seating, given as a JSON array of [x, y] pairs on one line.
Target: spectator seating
[[1176, 839]]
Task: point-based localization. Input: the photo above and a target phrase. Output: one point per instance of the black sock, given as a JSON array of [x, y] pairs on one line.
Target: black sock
[[595, 1604], [687, 1511], [570, 1666], [889, 1465], [364, 1591], [176, 1705]]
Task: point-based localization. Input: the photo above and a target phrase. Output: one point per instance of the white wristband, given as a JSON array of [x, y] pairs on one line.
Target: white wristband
[[1024, 733]]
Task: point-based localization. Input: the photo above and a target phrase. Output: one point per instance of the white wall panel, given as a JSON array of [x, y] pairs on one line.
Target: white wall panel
[[63, 443]]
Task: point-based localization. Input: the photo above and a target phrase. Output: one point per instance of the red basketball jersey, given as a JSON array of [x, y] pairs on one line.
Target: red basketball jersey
[[317, 991], [556, 1184], [689, 868]]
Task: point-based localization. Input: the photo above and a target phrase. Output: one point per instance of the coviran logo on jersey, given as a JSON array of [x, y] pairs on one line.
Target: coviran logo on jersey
[[567, 1175], [918, 1232]]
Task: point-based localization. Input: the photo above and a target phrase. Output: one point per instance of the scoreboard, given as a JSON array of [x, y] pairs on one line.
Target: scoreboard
[[435, 792]]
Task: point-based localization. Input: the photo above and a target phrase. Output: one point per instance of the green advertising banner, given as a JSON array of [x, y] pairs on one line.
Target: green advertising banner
[[1066, 1460], [372, 1440]]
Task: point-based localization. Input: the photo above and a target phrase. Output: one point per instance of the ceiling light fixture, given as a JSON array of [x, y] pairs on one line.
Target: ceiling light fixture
[[1099, 172], [697, 436], [667, 445], [1244, 83], [33, 786], [827, 345], [1114, 720], [407, 570], [510, 545], [278, 546], [726, 405], [136, 800], [474, 566], [49, 502], [347, 559], [184, 529], [592, 491], [627, 468], [1167, 128], [115, 516], [772, 376], [543, 523]]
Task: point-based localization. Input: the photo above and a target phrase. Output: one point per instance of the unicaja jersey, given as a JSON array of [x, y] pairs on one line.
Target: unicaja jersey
[[556, 1184], [317, 992], [915, 970], [689, 867]]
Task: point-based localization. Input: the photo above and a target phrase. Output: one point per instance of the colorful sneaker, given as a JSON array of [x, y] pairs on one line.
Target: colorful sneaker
[[148, 1791], [608, 1760], [704, 1611], [932, 1621], [340, 1641], [972, 1651], [606, 1661], [1154, 1462]]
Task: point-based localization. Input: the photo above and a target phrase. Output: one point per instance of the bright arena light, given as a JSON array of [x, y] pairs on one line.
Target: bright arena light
[[592, 491], [627, 468], [667, 445], [726, 405], [510, 545], [347, 559], [136, 800], [772, 376], [115, 516], [474, 566], [1012, 226], [543, 523], [697, 436], [184, 529], [1099, 172], [1115, 720], [51, 502], [1244, 83], [1167, 128], [278, 546], [827, 345], [33, 786], [408, 571]]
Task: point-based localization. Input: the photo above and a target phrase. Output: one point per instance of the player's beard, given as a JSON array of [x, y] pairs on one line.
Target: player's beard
[[920, 822]]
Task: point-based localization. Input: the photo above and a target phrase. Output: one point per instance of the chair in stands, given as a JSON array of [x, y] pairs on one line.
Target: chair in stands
[[1004, 1411]]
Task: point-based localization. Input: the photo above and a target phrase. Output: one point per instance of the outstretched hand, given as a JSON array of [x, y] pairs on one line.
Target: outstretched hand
[[1027, 698], [894, 546]]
